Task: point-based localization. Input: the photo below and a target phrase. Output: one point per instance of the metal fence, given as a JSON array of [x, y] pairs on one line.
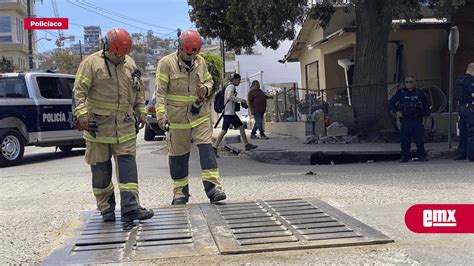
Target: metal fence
[[295, 104]]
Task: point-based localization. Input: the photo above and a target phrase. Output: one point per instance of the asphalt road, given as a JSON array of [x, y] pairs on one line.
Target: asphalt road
[[42, 200]]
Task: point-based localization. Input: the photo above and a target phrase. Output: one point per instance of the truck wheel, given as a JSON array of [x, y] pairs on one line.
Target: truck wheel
[[149, 134], [66, 148], [12, 147]]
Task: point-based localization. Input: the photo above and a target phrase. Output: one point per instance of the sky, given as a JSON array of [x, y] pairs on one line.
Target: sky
[[164, 15]]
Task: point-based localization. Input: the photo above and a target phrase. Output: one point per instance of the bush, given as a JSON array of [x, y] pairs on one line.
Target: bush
[[215, 67]]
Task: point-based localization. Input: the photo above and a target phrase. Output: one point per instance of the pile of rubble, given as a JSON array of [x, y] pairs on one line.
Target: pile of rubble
[[336, 133], [331, 140]]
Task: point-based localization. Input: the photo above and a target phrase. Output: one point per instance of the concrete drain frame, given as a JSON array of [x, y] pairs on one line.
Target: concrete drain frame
[[229, 228]]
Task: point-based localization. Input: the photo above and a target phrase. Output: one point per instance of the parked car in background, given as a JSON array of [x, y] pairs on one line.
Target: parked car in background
[[152, 128], [36, 110]]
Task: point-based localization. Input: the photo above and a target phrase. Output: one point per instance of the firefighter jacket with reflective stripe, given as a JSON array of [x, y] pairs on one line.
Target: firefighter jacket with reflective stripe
[[112, 100], [177, 86]]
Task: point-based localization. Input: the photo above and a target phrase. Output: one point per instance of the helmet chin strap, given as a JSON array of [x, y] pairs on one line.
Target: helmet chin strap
[[104, 49]]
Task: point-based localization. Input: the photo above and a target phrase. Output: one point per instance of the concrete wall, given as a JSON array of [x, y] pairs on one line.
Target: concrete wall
[[335, 77], [297, 129], [423, 50], [310, 56]]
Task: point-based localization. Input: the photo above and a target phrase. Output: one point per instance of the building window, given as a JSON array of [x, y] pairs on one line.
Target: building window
[[4, 39], [312, 76], [5, 24]]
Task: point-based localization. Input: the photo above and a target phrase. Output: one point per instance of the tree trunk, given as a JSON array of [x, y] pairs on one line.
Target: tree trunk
[[369, 95]]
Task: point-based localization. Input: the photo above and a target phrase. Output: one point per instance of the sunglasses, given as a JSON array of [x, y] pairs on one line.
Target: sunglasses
[[409, 82]]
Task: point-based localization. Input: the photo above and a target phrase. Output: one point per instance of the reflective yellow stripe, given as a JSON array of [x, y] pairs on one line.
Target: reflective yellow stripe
[[142, 110], [204, 177], [127, 137], [121, 139], [100, 191], [83, 79], [162, 77], [80, 111], [160, 109], [128, 186], [180, 183], [109, 106], [199, 121], [207, 76], [193, 124], [181, 98], [210, 172]]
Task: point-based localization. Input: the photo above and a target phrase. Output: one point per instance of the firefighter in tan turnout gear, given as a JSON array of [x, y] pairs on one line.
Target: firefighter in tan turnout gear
[[183, 89], [110, 108]]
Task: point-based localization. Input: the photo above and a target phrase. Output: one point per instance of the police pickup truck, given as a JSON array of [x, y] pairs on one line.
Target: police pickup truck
[[35, 110]]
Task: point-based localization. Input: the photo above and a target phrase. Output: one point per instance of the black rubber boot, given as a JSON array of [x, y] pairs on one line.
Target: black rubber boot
[[108, 217], [179, 201], [137, 214], [218, 196]]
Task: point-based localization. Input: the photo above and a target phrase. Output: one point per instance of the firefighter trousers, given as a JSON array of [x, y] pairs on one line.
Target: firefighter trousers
[[99, 155]]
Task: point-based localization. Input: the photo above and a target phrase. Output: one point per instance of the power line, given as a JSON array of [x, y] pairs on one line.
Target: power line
[[93, 11], [123, 16]]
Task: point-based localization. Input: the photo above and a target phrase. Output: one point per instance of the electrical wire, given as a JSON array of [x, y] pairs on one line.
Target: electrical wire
[[84, 2], [93, 11]]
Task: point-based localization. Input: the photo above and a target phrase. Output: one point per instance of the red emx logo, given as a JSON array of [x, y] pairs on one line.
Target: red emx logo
[[440, 218]]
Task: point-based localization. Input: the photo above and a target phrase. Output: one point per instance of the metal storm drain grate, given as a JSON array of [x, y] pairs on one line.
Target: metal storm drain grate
[[285, 224], [172, 232], [205, 229]]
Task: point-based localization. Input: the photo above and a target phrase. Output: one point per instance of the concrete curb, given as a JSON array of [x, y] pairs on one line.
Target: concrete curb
[[295, 157]]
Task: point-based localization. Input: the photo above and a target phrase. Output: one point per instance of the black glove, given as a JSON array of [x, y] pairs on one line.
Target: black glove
[[93, 128], [245, 105], [196, 107]]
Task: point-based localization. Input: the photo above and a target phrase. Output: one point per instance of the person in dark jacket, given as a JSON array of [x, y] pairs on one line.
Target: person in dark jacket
[[410, 105], [257, 102], [466, 115]]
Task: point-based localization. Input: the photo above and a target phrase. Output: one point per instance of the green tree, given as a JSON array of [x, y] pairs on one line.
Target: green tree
[[63, 61], [6, 66], [215, 67], [243, 23]]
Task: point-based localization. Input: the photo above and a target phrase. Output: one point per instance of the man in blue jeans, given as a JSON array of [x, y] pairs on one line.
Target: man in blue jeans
[[257, 102]]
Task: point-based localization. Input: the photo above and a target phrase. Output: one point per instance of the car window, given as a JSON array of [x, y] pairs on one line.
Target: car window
[[53, 88], [68, 85], [13, 88]]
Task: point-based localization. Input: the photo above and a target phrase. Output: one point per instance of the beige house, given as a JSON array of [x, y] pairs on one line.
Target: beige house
[[414, 49], [13, 38]]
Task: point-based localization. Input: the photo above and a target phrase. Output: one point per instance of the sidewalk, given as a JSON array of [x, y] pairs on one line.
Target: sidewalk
[[291, 150]]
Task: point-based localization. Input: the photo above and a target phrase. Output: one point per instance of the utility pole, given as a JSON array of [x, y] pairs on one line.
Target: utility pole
[[453, 44], [30, 36], [223, 59]]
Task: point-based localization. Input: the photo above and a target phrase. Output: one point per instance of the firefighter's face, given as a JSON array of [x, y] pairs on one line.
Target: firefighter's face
[[410, 83], [187, 57]]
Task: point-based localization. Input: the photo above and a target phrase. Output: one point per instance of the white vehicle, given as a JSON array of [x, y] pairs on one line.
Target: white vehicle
[[35, 109]]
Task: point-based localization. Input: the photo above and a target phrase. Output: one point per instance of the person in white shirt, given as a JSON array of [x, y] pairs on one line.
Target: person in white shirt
[[230, 116]]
